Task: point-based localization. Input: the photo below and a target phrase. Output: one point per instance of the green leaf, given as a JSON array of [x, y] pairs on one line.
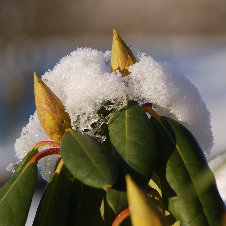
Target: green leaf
[[76, 195], [26, 159], [55, 206], [89, 211], [16, 195], [88, 160], [181, 161], [133, 138], [117, 200]]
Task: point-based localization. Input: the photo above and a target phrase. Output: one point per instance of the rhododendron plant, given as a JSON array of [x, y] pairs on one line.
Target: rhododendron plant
[[120, 139]]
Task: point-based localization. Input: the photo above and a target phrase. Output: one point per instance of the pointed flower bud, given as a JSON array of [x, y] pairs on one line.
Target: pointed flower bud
[[143, 210], [50, 109], [121, 56]]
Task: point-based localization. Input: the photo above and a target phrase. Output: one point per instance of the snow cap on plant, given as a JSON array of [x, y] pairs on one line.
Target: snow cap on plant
[[50, 109], [84, 83]]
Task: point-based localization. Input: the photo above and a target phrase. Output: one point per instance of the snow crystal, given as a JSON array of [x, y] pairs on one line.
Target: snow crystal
[[82, 80], [31, 134], [48, 165], [218, 166], [173, 94], [11, 167]]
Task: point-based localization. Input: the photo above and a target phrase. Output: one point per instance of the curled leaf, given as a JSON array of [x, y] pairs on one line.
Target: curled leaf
[[143, 211], [121, 56], [50, 109]]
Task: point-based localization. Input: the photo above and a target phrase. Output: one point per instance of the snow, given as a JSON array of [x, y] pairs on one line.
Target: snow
[[31, 134], [82, 80], [177, 97], [218, 166]]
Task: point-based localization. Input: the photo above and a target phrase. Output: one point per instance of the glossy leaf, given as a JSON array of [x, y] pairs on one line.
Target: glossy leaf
[[54, 206], [180, 163], [16, 195], [143, 211], [88, 160], [134, 140]]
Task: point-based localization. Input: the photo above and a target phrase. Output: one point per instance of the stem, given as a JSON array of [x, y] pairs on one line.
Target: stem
[[148, 108], [42, 154], [121, 217], [44, 143]]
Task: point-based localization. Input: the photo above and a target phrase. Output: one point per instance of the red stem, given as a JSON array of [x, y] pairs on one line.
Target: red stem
[[148, 108], [121, 217], [50, 151], [44, 143]]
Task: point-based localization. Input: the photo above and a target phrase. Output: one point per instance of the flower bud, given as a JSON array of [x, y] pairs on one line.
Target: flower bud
[[121, 56], [143, 211], [50, 109]]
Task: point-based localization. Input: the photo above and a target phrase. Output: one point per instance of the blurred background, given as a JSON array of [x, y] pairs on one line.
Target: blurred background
[[35, 35]]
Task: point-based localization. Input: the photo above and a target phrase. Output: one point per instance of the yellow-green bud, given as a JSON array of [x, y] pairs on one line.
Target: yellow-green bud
[[121, 55], [143, 210], [51, 111]]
